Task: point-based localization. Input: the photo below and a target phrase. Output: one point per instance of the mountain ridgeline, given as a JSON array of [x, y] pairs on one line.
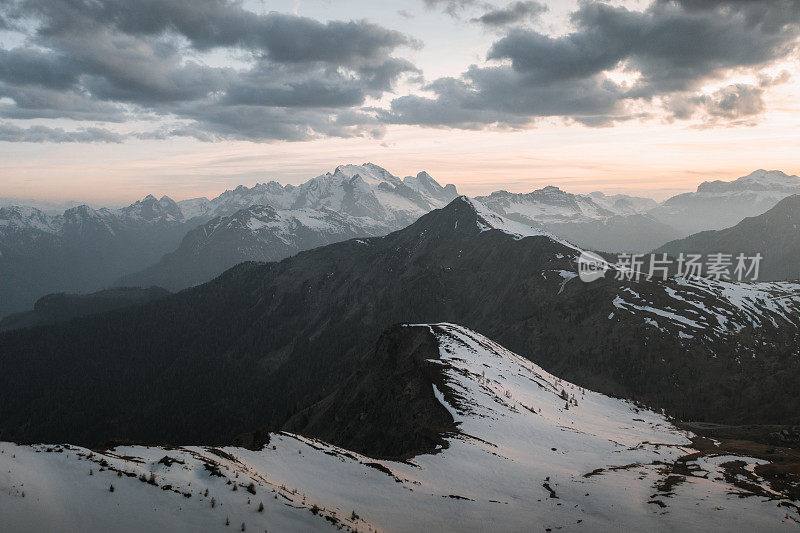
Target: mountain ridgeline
[[775, 235], [249, 348], [61, 307], [181, 244]]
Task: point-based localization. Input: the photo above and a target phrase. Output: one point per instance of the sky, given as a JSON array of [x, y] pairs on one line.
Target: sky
[[106, 101]]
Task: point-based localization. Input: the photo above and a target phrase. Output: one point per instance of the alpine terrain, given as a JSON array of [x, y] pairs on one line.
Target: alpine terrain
[[272, 222], [560, 456], [234, 354], [720, 204], [617, 223]]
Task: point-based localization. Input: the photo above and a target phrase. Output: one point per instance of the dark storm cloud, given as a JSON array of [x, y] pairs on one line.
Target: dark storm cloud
[[37, 102], [85, 57], [499, 95], [673, 47], [22, 66], [37, 134], [513, 13], [219, 23], [770, 13]]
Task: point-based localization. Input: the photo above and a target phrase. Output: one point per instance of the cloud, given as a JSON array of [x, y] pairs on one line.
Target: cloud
[[39, 134], [37, 102], [211, 24], [452, 7], [513, 13], [670, 50], [296, 78], [730, 104], [500, 96], [243, 122], [133, 60]]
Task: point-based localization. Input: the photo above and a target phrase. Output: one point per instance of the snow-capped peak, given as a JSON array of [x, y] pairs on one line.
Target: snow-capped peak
[[20, 218], [370, 173], [489, 220]]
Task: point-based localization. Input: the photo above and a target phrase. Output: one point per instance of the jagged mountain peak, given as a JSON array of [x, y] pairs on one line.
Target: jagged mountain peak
[[545, 205], [369, 172], [151, 210], [470, 216], [722, 204], [424, 184], [84, 212], [22, 217]]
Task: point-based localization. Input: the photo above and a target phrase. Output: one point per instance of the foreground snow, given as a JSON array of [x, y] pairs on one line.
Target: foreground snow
[[533, 453]]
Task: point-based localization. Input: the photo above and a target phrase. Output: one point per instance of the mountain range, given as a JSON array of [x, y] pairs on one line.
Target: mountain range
[[616, 223], [506, 444], [275, 222], [235, 354], [81, 250], [181, 244], [84, 249], [718, 205]]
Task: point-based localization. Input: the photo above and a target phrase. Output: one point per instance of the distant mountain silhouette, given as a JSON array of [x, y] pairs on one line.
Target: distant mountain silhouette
[[775, 235]]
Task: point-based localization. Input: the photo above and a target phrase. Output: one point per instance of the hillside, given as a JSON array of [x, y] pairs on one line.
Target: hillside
[[55, 308], [81, 250], [232, 355], [774, 235], [257, 233], [524, 447]]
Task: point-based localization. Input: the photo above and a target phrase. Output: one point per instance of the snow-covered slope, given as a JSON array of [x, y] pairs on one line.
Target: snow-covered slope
[[18, 218], [624, 223], [354, 190], [531, 451], [713, 310], [544, 206], [767, 181], [489, 219]]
